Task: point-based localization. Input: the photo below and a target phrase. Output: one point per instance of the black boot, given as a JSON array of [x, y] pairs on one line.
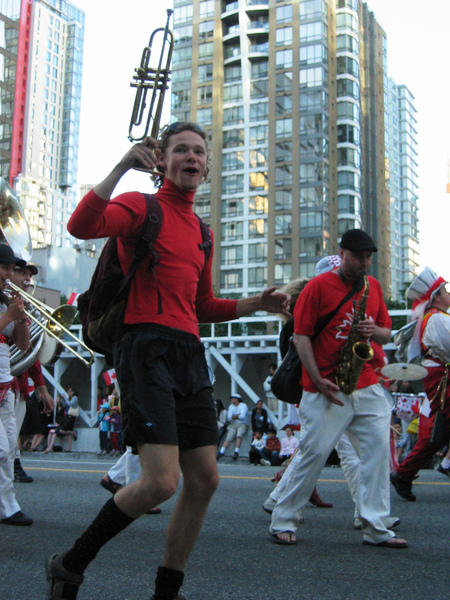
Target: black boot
[[402, 487], [19, 474]]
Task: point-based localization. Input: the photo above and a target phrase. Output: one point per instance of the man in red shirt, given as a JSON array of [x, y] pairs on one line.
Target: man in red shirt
[[167, 403], [325, 410]]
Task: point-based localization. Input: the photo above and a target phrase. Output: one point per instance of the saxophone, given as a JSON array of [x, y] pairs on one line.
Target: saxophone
[[355, 352]]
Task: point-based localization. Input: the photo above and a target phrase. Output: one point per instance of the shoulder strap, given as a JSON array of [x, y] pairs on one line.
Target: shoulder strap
[[145, 244], [427, 315], [322, 323], [206, 244]]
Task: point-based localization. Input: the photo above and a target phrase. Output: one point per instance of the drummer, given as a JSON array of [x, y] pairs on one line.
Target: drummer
[[431, 301]]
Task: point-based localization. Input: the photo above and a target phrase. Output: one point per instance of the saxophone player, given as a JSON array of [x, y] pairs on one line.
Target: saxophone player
[[354, 305]]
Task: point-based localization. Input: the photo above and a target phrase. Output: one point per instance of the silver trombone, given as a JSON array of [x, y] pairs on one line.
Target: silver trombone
[[55, 323]]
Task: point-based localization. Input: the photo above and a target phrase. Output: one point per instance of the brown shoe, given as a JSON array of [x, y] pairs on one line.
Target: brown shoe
[[110, 485]]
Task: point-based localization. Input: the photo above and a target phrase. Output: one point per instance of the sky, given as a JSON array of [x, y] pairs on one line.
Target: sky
[[418, 56]]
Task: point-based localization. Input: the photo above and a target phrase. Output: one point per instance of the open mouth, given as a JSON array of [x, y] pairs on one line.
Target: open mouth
[[191, 171]]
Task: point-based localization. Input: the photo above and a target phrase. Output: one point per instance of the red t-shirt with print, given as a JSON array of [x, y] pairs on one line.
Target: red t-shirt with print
[[319, 298]]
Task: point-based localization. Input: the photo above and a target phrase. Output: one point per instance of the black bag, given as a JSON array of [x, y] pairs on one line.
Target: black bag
[[285, 383], [102, 307]]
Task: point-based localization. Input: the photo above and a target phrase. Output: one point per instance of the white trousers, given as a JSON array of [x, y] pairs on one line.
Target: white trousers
[[20, 408], [365, 417], [8, 445], [350, 465], [127, 469]]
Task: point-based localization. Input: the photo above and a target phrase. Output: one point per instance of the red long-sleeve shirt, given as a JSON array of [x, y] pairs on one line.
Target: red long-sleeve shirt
[[183, 278]]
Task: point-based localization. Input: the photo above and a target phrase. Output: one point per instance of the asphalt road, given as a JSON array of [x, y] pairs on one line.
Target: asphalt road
[[234, 558]]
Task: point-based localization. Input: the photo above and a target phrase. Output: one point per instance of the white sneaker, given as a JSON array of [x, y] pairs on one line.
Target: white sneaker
[[265, 462], [269, 505], [391, 522]]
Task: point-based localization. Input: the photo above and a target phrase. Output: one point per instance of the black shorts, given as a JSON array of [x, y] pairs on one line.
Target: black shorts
[[166, 394]]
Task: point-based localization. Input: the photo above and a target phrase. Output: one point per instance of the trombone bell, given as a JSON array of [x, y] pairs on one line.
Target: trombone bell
[[14, 229]]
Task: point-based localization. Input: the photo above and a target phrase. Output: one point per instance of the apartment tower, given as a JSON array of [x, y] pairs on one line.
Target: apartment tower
[[41, 48]]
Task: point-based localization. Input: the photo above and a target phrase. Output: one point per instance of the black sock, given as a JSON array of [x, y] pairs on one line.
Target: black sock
[[108, 523], [168, 582]]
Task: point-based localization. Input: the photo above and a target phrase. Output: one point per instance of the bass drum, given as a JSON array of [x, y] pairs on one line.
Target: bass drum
[[50, 351]]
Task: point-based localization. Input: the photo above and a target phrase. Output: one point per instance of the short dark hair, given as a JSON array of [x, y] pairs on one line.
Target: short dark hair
[[163, 142]]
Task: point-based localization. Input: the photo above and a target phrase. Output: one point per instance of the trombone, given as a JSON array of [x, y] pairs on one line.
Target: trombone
[[57, 322]]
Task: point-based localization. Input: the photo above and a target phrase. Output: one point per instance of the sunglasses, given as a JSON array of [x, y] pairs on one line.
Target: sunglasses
[[178, 125]]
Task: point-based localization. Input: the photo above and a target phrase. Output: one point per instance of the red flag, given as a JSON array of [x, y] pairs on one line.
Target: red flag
[[73, 299], [110, 376]]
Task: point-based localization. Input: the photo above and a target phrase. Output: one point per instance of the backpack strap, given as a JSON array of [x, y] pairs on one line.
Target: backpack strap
[[206, 244], [427, 315]]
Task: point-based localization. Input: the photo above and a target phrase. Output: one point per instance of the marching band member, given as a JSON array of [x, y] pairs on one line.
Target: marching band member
[[13, 324]]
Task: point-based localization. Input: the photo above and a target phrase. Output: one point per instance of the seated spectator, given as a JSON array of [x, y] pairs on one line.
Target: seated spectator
[[222, 424], [70, 404], [257, 445], [289, 445], [271, 451], [260, 419], [237, 425]]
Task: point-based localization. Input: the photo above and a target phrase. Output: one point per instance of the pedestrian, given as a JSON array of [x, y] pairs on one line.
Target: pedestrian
[[326, 411], [166, 395]]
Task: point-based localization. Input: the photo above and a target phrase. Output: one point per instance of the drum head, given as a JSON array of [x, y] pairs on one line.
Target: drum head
[[51, 349]]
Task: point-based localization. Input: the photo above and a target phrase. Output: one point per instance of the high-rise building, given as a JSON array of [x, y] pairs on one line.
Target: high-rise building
[[293, 94], [41, 48], [403, 187]]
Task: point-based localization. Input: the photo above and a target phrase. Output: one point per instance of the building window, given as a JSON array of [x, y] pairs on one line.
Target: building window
[[257, 252], [283, 200], [283, 249], [205, 72], [283, 82], [313, 32], [233, 73], [206, 8], [311, 247], [260, 89], [232, 231], [258, 158], [259, 134], [283, 224], [282, 274], [232, 207], [232, 93], [259, 111], [283, 105], [233, 137], [258, 181], [257, 228], [231, 279], [232, 184], [204, 94], [283, 128], [283, 36], [283, 151], [314, 77], [259, 69], [257, 277], [284, 13], [206, 29], [232, 161], [231, 255], [258, 205], [283, 59], [283, 175], [204, 116]]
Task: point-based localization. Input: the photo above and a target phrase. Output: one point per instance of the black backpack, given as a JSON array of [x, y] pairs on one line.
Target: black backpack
[[102, 306]]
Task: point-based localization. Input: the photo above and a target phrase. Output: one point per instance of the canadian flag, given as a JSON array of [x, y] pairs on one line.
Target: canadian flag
[[110, 376], [73, 300]]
